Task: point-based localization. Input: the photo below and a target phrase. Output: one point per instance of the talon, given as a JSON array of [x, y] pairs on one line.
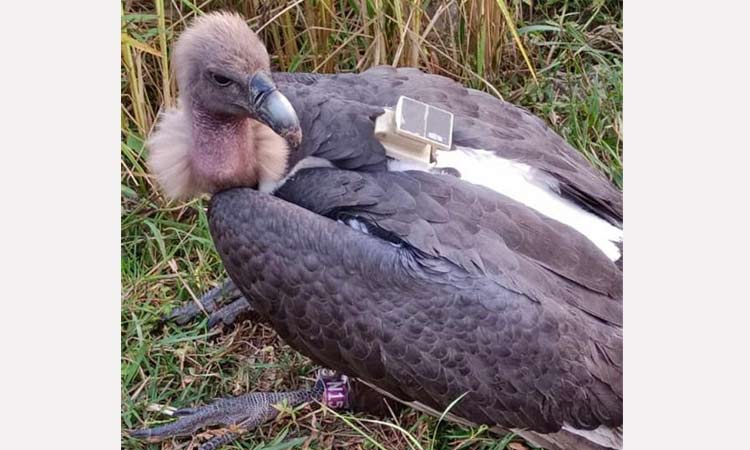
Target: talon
[[184, 426], [183, 412]]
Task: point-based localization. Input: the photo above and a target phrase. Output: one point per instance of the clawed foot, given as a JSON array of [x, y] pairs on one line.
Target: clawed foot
[[239, 414], [223, 304]]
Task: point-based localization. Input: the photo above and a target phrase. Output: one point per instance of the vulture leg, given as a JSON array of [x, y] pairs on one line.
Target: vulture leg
[[223, 304], [228, 314], [239, 414]]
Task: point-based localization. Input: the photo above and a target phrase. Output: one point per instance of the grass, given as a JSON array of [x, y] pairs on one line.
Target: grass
[[575, 51]]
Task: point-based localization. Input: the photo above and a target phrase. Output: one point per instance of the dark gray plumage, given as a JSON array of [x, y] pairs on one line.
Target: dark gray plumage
[[419, 326], [485, 296], [476, 229], [337, 114]]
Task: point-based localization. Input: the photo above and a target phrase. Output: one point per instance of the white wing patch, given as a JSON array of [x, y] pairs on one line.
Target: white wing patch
[[532, 188], [603, 435]]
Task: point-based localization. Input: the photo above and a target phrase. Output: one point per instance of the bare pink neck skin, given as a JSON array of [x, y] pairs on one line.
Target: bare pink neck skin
[[223, 153]]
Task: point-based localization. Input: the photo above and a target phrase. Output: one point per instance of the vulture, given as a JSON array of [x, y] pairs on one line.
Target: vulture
[[488, 280]]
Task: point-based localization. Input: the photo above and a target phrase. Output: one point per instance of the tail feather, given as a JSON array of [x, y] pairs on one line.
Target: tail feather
[[602, 438]]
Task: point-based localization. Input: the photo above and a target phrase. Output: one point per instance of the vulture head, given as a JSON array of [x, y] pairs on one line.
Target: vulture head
[[232, 127]]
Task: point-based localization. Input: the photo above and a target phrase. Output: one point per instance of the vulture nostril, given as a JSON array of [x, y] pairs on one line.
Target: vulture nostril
[[261, 85], [259, 97]]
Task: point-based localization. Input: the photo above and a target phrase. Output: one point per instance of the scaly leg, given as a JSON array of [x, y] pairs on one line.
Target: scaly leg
[[223, 304], [246, 412]]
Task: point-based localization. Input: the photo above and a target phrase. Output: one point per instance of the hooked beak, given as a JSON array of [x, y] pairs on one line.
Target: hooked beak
[[269, 106]]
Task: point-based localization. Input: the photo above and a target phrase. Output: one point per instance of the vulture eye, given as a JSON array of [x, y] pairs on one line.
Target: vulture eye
[[221, 80]]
